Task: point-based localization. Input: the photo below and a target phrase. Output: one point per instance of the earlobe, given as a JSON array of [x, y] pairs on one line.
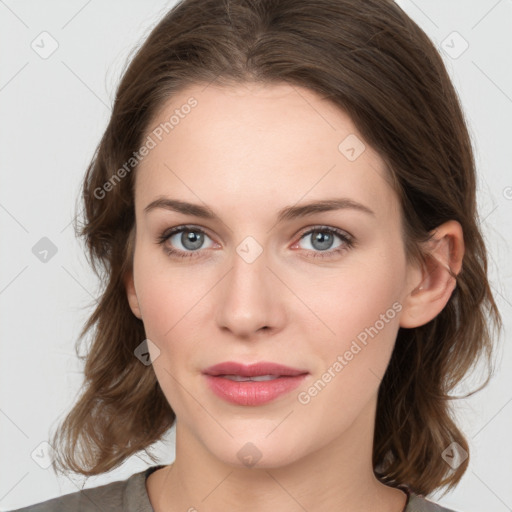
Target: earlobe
[[132, 295], [435, 282]]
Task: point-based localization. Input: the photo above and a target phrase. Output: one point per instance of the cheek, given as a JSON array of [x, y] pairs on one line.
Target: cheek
[[167, 294], [353, 297], [170, 301], [360, 310], [363, 311]]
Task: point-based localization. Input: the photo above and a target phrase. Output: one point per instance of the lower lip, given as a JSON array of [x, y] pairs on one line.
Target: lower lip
[[252, 392]]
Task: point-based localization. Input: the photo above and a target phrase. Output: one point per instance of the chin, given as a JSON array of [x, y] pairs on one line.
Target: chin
[[259, 451]]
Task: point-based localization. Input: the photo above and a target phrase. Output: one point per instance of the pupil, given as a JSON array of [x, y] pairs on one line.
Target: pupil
[[324, 240], [192, 240]]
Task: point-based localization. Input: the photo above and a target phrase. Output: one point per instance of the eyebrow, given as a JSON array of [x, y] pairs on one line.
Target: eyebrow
[[285, 214]]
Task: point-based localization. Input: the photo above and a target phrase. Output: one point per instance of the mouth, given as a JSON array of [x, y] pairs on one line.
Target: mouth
[[254, 384]]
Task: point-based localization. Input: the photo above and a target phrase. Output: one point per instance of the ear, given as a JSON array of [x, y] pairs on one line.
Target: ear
[[434, 282], [131, 294]]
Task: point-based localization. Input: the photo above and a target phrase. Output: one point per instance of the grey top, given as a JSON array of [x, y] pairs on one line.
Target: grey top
[[130, 495]]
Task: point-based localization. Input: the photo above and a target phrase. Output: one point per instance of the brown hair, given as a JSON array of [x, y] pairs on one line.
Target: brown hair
[[371, 60]]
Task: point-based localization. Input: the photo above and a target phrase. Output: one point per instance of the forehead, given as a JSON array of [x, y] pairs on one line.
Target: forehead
[[259, 144]]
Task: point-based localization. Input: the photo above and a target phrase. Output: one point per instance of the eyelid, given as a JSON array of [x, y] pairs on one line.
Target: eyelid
[[343, 234], [182, 227], [320, 227]]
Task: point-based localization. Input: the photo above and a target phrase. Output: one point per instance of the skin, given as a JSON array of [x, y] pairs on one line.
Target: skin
[[248, 151]]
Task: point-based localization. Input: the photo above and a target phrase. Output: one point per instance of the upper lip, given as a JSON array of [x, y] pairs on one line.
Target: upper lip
[[252, 370]]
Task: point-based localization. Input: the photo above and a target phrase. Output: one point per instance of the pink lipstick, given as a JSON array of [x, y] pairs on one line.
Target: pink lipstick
[[254, 384]]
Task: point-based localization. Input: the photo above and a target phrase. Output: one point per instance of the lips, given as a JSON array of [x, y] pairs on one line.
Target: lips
[[254, 384], [253, 370]]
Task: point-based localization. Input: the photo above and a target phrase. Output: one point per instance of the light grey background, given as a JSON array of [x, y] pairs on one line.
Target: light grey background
[[53, 111]]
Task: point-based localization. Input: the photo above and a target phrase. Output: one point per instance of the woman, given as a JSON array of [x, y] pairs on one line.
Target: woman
[[282, 209]]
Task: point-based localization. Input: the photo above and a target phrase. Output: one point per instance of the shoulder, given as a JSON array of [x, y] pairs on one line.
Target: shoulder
[[418, 503], [104, 498], [128, 495]]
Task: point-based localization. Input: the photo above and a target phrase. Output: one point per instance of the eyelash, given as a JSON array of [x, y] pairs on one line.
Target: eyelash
[[348, 241]]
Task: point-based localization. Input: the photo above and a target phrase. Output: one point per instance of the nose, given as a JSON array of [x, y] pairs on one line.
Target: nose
[[251, 298]]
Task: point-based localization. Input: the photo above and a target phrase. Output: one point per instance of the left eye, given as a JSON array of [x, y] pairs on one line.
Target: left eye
[[323, 238]]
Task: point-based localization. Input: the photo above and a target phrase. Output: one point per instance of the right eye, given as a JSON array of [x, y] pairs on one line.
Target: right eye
[[190, 238]]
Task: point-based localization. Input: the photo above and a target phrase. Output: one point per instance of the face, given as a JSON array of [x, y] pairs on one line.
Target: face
[[262, 278]]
